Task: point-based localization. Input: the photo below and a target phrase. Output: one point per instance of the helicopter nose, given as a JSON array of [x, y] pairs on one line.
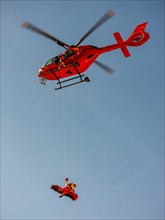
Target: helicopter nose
[[40, 74]]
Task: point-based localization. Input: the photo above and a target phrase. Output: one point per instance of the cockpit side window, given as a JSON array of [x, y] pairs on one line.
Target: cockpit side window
[[69, 54]]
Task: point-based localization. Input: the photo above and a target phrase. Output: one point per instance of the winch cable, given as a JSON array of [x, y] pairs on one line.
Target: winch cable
[[64, 133]]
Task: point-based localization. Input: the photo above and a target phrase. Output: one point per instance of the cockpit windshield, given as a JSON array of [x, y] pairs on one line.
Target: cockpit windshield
[[52, 60]]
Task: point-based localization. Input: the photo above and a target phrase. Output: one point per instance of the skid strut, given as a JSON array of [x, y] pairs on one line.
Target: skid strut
[[86, 79]]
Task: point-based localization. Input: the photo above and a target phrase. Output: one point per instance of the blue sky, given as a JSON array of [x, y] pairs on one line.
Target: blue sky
[[113, 126]]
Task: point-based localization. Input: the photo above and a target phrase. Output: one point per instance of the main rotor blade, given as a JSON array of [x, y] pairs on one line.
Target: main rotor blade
[[103, 19], [43, 33], [104, 67]]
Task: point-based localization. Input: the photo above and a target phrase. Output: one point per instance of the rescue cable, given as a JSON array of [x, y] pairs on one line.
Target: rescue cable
[[64, 132]]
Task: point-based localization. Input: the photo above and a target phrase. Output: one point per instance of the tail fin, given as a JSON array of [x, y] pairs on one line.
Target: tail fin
[[140, 27], [123, 45], [137, 38]]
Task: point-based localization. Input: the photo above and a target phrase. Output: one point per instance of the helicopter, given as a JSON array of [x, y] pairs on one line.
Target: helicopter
[[71, 65]]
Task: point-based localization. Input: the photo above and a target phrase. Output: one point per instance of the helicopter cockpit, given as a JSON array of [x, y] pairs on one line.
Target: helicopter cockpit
[[56, 59]]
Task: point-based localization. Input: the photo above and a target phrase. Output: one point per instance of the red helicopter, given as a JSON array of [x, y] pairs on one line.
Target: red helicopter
[[77, 59]]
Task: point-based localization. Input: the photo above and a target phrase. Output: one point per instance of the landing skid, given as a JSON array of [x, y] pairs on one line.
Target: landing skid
[[86, 79]]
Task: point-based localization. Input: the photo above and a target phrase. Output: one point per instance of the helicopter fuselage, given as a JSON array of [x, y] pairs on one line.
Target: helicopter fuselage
[[70, 63]]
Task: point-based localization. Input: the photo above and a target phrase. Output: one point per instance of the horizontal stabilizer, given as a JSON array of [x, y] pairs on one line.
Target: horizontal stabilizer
[[122, 44], [125, 51]]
